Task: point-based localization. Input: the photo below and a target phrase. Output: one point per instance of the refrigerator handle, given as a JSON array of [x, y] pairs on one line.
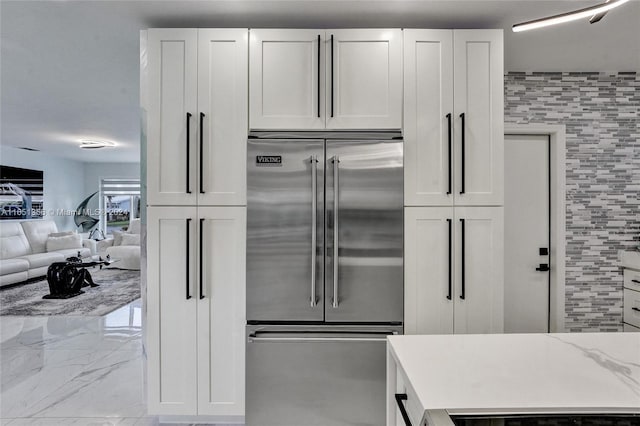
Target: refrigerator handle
[[314, 226], [336, 208]]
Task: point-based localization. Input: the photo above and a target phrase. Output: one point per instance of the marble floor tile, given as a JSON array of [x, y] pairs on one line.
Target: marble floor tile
[[76, 421]]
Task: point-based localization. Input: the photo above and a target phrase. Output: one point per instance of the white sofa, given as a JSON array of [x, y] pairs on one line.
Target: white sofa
[[23, 250], [126, 247]]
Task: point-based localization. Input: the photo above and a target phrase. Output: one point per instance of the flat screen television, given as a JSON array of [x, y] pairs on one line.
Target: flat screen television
[[21, 193]]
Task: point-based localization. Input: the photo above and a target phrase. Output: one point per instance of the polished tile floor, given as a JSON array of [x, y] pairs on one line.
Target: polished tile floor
[[73, 370]]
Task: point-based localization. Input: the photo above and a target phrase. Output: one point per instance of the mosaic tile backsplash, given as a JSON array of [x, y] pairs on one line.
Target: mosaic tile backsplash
[[600, 112]]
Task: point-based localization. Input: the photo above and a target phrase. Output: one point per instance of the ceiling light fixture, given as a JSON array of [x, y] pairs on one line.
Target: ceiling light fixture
[[95, 144], [589, 12]]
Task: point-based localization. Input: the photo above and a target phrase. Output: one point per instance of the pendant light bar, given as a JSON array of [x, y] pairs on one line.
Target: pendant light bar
[[568, 17]]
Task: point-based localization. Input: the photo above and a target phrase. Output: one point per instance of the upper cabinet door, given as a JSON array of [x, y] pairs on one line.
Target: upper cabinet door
[[479, 117], [286, 79], [222, 116], [172, 116], [428, 120], [364, 79]]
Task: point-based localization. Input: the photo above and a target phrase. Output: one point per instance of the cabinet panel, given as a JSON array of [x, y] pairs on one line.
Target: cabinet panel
[[428, 100], [286, 79], [478, 94], [171, 310], [479, 272], [364, 79], [428, 270], [222, 113], [221, 311], [171, 140]]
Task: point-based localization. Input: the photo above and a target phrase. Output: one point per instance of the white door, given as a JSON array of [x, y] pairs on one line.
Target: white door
[[286, 86], [171, 310], [429, 291], [526, 227], [479, 246], [479, 117], [222, 116], [221, 310], [364, 79], [172, 116], [428, 119]]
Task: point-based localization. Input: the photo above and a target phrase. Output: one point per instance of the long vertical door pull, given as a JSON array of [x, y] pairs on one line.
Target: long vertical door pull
[[318, 88], [462, 155], [188, 153], [331, 75], [200, 269], [188, 269], [450, 224], [403, 410], [202, 152], [462, 260], [336, 208], [314, 225], [449, 148]]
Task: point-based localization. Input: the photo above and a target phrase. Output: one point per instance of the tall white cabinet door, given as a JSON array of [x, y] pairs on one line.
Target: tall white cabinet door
[[171, 310], [479, 117], [172, 116], [221, 310], [479, 276], [428, 277], [364, 79], [286, 86], [428, 120], [222, 116]]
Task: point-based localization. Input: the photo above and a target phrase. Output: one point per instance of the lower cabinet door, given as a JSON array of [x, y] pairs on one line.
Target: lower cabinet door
[[479, 276], [171, 310], [221, 310]]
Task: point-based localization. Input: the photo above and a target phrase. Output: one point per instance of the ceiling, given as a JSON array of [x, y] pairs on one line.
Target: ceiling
[[69, 69]]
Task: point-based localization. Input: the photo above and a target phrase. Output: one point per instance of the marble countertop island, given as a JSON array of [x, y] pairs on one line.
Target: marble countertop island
[[516, 373]]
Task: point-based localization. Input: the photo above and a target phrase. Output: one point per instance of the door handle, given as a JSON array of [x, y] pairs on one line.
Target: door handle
[[318, 88], [462, 144], [450, 223], [314, 226], [200, 269], [336, 208], [450, 147], [403, 410], [462, 261], [331, 75], [201, 152], [188, 269], [544, 267], [188, 153]]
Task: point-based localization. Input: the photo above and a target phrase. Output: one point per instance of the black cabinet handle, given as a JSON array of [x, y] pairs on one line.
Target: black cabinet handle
[[403, 410], [187, 269], [450, 223], [450, 156], [188, 152], [201, 152], [635, 281], [318, 88], [200, 274], [331, 75], [635, 309], [462, 262], [544, 267], [462, 154]]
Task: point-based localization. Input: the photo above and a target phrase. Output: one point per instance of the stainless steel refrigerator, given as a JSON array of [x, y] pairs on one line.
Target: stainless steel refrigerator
[[324, 275]]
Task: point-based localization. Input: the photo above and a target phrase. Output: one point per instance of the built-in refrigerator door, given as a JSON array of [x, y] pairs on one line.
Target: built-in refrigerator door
[[364, 231], [285, 204]]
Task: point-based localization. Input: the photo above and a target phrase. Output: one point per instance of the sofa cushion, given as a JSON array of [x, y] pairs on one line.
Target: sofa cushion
[[13, 241], [39, 260], [84, 252], [37, 232], [130, 240], [134, 226], [62, 234], [73, 241], [11, 266]]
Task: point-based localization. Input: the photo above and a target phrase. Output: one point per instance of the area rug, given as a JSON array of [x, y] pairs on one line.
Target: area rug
[[117, 287]]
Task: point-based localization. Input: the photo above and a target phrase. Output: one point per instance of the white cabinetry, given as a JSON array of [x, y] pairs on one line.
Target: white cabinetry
[[325, 79], [197, 118], [196, 312], [453, 117], [631, 300], [453, 270]]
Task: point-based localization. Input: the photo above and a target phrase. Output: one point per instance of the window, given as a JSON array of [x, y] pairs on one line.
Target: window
[[120, 203]]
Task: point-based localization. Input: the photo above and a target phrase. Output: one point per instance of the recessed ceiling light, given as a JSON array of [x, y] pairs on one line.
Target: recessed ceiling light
[[95, 144]]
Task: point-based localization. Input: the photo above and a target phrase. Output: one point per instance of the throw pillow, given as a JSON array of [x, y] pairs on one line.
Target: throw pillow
[[117, 237], [130, 240], [73, 241], [134, 226]]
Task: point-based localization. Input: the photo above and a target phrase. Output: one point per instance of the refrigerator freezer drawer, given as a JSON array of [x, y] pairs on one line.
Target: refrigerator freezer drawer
[[320, 376]]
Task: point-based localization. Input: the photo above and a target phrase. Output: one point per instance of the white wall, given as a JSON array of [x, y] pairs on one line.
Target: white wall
[[64, 180]]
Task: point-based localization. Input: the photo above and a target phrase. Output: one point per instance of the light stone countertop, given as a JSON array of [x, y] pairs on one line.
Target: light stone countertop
[[522, 373]]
